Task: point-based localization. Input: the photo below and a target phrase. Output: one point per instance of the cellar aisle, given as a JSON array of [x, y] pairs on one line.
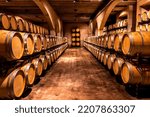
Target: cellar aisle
[[77, 75]]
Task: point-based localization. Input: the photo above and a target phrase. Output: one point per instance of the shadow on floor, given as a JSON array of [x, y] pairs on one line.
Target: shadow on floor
[[138, 91], [26, 92]]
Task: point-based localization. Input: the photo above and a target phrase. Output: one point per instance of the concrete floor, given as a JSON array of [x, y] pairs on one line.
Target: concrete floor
[[77, 75]]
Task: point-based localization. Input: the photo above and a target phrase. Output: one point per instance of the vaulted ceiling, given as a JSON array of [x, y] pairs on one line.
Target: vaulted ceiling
[[70, 11], [77, 10]]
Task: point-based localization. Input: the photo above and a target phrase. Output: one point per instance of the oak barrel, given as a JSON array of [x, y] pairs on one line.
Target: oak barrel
[[11, 45], [44, 61], [28, 43], [118, 62], [29, 71], [31, 27], [110, 41], [13, 23], [44, 42], [4, 21], [27, 27], [102, 56], [48, 58], [52, 57], [35, 29], [106, 54], [13, 85], [130, 74], [136, 43], [105, 41], [110, 61], [38, 66], [117, 42], [144, 16], [21, 26], [38, 42]]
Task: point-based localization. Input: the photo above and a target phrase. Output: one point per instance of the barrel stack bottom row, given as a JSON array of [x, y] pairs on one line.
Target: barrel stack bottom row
[[127, 55]]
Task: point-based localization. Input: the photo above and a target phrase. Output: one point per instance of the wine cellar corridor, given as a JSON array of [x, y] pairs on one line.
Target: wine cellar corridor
[[77, 75], [74, 49]]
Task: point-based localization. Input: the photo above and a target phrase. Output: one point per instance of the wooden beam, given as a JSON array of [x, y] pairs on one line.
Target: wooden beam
[[46, 12], [107, 12]]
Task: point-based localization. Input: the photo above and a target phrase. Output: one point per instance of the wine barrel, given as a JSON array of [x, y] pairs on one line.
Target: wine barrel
[[77, 30], [136, 43], [29, 71], [106, 54], [28, 43], [13, 23], [110, 41], [110, 61], [52, 57], [105, 41], [73, 34], [21, 26], [38, 66], [147, 27], [99, 55], [144, 16], [44, 42], [48, 58], [143, 28], [102, 56], [73, 43], [124, 22], [26, 24], [117, 42], [35, 28], [4, 21], [13, 85], [48, 41], [102, 42], [118, 62], [138, 28], [31, 27], [77, 34], [38, 29], [131, 74], [38, 42], [77, 44], [73, 30], [44, 61], [73, 39], [11, 45]]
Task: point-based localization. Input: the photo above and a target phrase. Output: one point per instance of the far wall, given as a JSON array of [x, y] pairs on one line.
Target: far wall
[[84, 30]]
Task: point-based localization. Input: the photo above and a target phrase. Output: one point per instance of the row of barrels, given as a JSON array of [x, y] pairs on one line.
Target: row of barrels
[[14, 45], [143, 27], [14, 83], [76, 44], [121, 30], [9, 22], [132, 43], [119, 24], [129, 72]]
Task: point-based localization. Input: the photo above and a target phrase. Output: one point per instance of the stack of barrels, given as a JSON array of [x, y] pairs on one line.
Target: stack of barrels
[[26, 50], [143, 21], [127, 55], [75, 37], [118, 27]]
